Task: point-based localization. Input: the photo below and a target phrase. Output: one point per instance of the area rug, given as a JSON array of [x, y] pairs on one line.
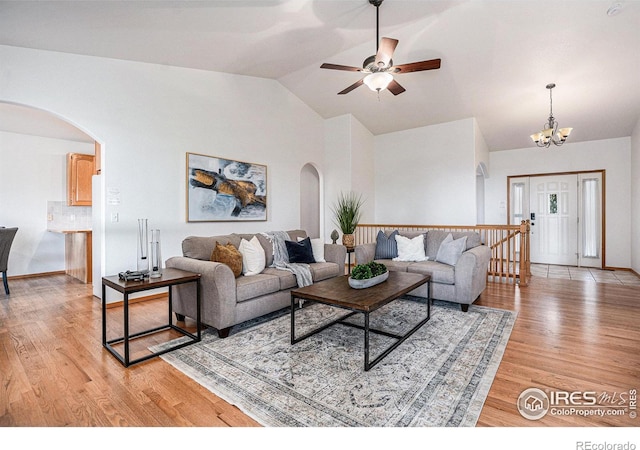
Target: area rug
[[438, 377]]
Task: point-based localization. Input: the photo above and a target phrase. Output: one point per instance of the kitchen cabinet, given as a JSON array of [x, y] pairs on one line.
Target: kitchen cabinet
[[80, 169], [77, 253]]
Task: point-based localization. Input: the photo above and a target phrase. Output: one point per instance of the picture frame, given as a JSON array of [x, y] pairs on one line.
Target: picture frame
[[225, 190]]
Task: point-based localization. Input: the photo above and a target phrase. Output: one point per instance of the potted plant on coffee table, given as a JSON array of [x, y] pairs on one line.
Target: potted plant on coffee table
[[367, 275], [347, 211]]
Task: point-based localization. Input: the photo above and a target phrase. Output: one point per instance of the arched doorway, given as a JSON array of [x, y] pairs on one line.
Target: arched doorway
[[311, 214], [36, 142]]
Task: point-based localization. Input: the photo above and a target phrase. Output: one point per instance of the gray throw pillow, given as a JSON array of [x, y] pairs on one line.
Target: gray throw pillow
[[451, 249], [386, 247]]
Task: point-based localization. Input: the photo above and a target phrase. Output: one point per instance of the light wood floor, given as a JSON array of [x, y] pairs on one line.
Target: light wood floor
[[569, 335]]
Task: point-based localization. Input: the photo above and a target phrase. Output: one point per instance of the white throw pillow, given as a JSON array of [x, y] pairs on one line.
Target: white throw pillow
[[450, 250], [253, 257], [317, 246], [410, 249]]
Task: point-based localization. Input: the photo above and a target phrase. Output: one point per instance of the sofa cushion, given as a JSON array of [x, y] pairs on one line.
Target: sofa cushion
[[324, 270], [287, 279], [300, 252], [394, 266], [440, 273], [296, 235], [199, 247], [255, 286], [410, 249], [473, 239], [253, 257], [386, 246], [435, 238], [229, 255], [268, 249], [451, 249]]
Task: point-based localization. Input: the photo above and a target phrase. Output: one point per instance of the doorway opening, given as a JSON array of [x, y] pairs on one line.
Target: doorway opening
[[311, 201], [38, 142]]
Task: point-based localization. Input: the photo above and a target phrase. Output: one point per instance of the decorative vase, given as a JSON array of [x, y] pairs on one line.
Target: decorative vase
[[363, 284], [348, 240], [156, 257], [143, 246]]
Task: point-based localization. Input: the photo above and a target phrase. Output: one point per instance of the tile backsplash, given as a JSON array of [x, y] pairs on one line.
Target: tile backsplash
[[60, 216]]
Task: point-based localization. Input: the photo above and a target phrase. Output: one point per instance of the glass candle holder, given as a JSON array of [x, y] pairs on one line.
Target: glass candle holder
[[156, 257], [143, 246]]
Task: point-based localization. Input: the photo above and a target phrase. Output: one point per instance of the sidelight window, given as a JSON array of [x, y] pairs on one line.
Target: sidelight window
[[590, 218]]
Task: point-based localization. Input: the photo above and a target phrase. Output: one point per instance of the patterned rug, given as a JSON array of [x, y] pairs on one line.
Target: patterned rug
[[440, 376]]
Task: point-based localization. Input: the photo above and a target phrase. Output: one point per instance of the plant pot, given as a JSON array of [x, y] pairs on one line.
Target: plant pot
[[363, 284], [349, 240]]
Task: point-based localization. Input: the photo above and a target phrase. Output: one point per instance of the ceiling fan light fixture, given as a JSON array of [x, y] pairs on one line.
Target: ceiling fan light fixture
[[378, 81]]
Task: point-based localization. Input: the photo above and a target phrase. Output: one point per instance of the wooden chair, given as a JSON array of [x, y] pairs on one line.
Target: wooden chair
[[6, 239]]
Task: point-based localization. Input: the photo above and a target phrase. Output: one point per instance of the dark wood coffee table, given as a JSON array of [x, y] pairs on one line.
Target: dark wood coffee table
[[337, 292]]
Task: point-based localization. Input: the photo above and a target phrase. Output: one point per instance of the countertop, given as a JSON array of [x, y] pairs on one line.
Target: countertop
[[68, 231]]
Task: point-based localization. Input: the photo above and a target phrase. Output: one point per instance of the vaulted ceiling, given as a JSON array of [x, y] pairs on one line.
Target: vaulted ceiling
[[497, 56]]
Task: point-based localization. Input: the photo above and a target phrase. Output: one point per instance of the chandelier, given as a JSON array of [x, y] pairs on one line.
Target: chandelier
[[551, 133]]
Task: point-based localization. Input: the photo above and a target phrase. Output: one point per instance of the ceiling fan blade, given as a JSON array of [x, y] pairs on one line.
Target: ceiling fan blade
[[417, 66], [395, 88], [351, 88], [385, 51], [339, 67]]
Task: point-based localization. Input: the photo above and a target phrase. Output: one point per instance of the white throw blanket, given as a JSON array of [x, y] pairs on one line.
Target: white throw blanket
[[301, 271]]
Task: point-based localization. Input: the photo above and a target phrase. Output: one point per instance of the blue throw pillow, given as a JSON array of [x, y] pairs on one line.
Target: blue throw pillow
[[300, 252], [386, 247]]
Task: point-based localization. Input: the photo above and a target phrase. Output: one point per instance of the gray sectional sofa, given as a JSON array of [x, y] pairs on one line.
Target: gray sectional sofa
[[461, 282], [226, 300]]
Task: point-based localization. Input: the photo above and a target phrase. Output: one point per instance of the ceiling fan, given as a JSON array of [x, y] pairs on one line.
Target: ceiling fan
[[379, 67]]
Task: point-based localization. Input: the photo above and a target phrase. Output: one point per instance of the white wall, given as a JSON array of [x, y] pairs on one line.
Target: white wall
[[363, 169], [148, 116], [612, 155], [426, 176], [33, 171], [635, 198], [349, 166]]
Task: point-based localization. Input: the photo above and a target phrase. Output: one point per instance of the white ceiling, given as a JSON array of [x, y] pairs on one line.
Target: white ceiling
[[497, 56]]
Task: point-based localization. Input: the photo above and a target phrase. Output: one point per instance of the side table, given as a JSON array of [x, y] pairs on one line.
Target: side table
[[170, 277], [350, 250]]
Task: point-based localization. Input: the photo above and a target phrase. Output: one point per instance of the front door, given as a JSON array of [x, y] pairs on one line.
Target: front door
[[554, 219]]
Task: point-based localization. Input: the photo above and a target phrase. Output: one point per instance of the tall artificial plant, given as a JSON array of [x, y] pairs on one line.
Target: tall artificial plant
[[347, 211]]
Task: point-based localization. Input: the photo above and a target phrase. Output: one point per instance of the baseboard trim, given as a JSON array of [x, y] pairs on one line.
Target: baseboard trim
[[36, 275], [625, 269], [145, 298]]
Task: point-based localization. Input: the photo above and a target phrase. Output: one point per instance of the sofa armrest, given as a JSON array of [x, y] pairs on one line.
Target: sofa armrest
[[218, 292], [365, 253], [471, 273], [335, 253]]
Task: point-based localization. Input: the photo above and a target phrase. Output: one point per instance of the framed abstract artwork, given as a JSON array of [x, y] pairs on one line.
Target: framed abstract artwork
[[220, 189]]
